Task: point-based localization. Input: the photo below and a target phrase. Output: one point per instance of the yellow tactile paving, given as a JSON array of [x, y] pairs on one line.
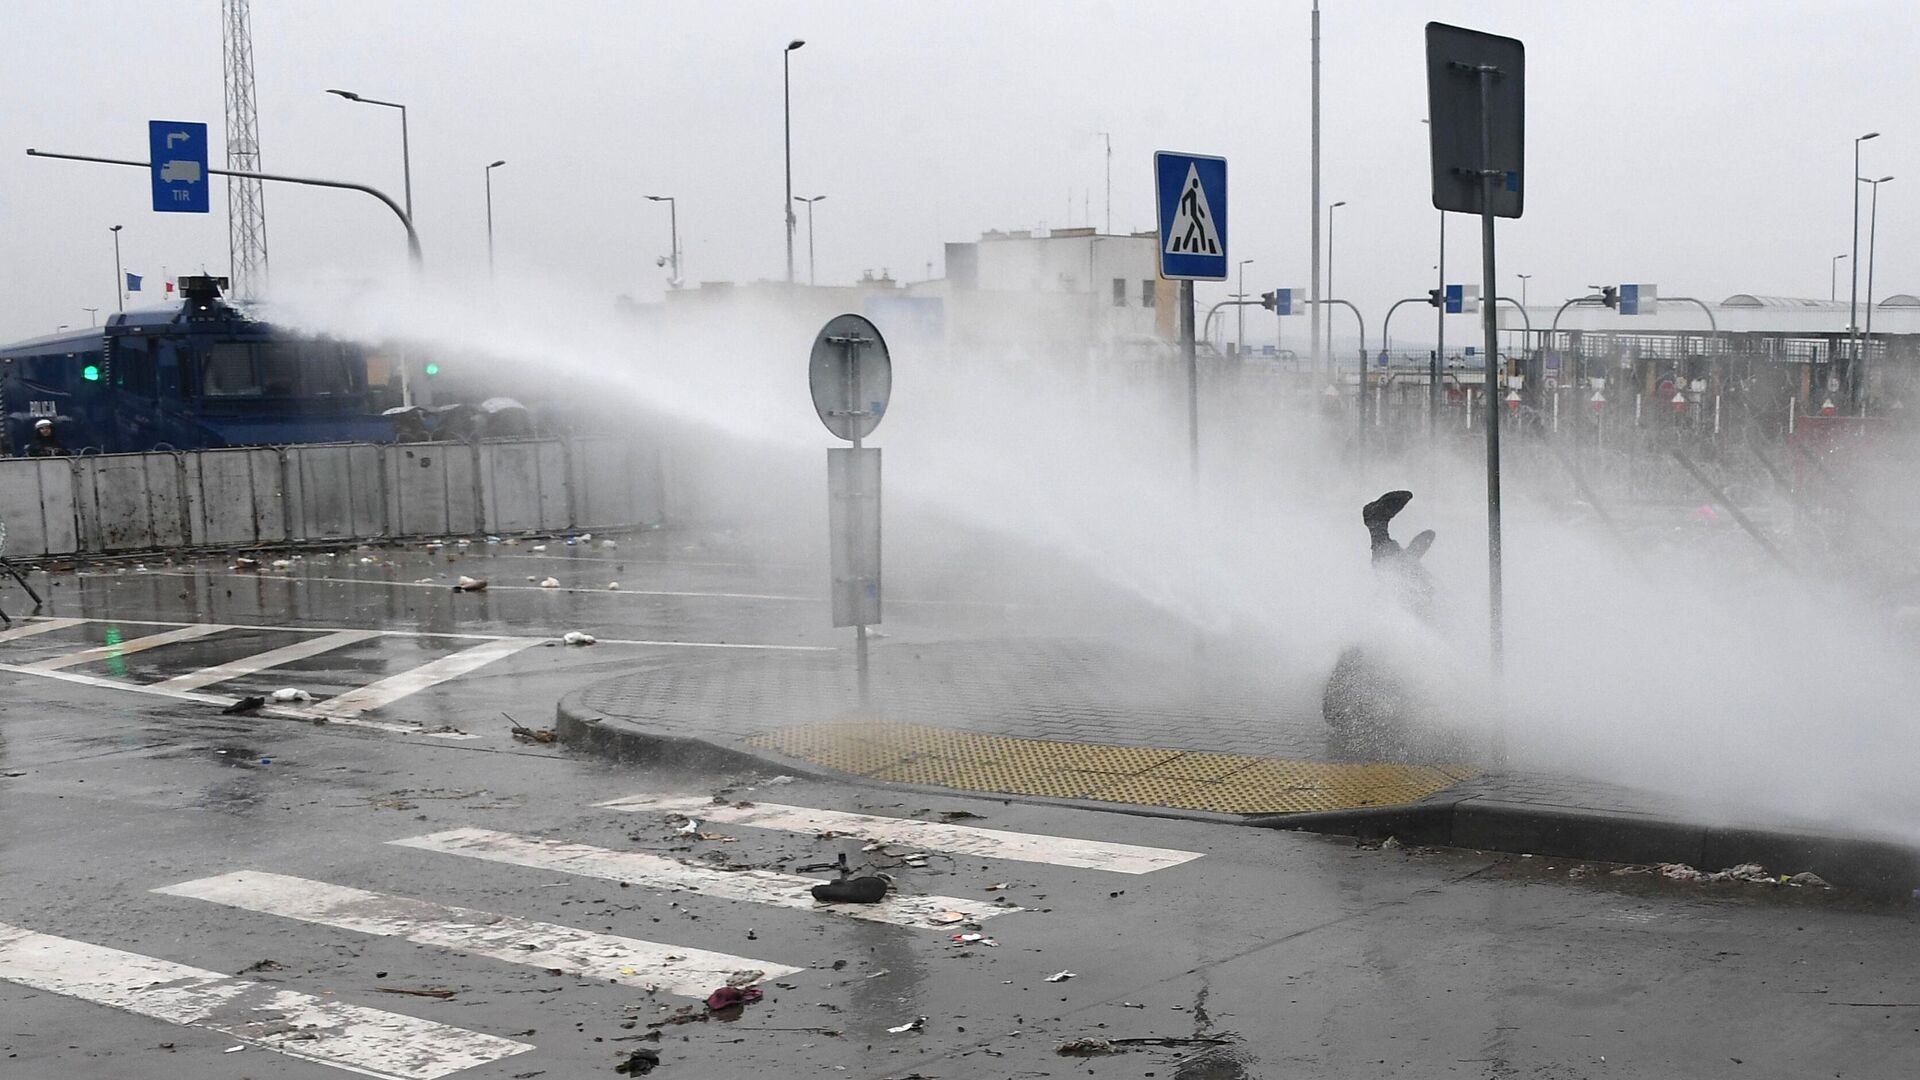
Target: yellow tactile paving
[[1151, 776]]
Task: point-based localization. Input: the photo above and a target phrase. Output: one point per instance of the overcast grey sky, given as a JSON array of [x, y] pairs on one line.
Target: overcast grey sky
[[1702, 146]]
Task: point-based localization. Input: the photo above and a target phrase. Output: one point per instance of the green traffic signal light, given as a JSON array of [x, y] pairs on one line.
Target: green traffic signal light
[[91, 373], [433, 369]]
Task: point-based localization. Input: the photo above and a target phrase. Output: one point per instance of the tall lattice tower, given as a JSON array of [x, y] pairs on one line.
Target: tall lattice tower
[[246, 206]]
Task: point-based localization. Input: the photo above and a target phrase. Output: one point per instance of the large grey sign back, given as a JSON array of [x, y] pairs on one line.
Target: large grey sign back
[[1456, 60]]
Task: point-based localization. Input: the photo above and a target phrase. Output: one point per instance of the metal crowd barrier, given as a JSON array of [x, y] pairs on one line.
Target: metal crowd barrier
[[99, 504]]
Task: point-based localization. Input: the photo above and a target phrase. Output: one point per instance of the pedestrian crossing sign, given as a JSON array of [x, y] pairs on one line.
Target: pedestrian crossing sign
[[1191, 193]]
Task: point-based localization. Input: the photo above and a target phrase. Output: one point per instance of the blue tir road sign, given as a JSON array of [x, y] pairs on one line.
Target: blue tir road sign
[[177, 152], [1191, 193], [1288, 302], [1639, 299]]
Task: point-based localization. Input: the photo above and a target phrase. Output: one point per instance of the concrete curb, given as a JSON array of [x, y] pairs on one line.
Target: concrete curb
[[1877, 867], [1475, 822]]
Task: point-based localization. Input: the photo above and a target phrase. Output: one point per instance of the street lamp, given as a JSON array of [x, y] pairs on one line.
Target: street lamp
[[673, 237], [1853, 266], [488, 171], [1330, 211], [1240, 311], [119, 274], [786, 107], [1523, 307], [809, 201], [1860, 361], [1833, 275], [406, 154]]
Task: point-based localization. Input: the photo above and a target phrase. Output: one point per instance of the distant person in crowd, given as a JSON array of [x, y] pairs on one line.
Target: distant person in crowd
[[45, 443]]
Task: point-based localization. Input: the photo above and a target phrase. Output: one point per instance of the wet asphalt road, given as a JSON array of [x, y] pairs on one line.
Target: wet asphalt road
[[1304, 957]]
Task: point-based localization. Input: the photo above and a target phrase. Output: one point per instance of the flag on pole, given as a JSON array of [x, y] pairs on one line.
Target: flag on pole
[[133, 282]]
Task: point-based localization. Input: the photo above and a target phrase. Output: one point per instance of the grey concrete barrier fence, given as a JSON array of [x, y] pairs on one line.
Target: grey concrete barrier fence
[[101, 504]]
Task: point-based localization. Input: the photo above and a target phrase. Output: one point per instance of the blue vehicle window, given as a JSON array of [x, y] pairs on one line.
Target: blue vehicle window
[[328, 370], [229, 371], [279, 366]]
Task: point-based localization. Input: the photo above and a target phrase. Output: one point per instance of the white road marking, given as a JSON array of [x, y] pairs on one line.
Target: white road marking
[[272, 658], [188, 632], [351, 1037], [656, 872], [59, 623], [432, 673], [930, 835], [223, 701], [677, 970], [38, 626]]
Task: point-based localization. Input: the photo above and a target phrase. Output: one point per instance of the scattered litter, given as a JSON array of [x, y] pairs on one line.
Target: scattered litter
[[690, 828], [1809, 879], [584, 537], [608, 545], [916, 1024], [233, 1049], [774, 781], [614, 586], [290, 693], [246, 564], [1750, 872], [1062, 976], [245, 705], [961, 815], [575, 637], [948, 918], [960, 940], [423, 581], [1000, 886], [367, 561], [719, 837], [728, 997], [261, 965], [469, 584], [527, 734], [1176, 1040], [859, 890], [549, 583], [1391, 843], [1131, 1005], [746, 977], [639, 1062], [1085, 1048], [539, 547], [427, 992]]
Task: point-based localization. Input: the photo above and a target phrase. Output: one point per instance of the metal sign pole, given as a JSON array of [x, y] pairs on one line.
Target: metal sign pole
[[1188, 349], [856, 511], [1495, 602]]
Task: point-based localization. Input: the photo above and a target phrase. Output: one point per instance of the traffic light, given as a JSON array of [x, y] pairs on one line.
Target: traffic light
[[433, 368], [1436, 297], [1610, 295], [91, 373], [1268, 299]]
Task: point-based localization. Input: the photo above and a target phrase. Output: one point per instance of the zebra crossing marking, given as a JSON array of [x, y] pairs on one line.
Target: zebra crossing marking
[[262, 661], [658, 872], [676, 970], [132, 645], [224, 700], [939, 836], [432, 673], [371, 1042], [37, 626]]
